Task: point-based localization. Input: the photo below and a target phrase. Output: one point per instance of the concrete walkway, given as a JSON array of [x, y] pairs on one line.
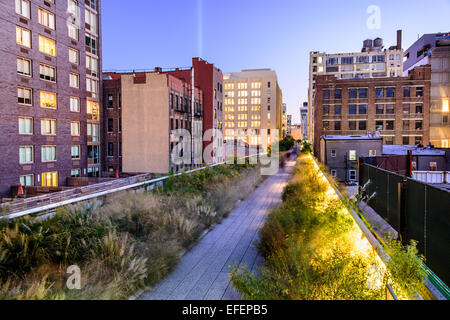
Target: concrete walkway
[[203, 272]]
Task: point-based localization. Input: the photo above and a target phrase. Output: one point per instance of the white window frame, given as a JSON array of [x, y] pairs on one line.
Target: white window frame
[[31, 154], [25, 90], [46, 71], [72, 105], [49, 124], [74, 80], [75, 128], [46, 18], [23, 133], [350, 174], [74, 56], [350, 158], [23, 180], [21, 64], [21, 39], [44, 154], [333, 153], [20, 9], [77, 147]]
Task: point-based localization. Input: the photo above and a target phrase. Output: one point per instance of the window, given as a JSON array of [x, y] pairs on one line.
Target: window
[[337, 125], [47, 73], [405, 141], [76, 152], [74, 80], [352, 109], [72, 7], [91, 44], [110, 125], [91, 20], [93, 109], [93, 154], [362, 109], [379, 125], [352, 175], [406, 92], [27, 181], [347, 60], [119, 124], [380, 92], [433, 166], [337, 110], [110, 149], [93, 132], [390, 125], [333, 153], [326, 110], [333, 173], [362, 125], [326, 125], [419, 92], [92, 87], [48, 153], [23, 8], [418, 140], [23, 66], [389, 141], [75, 128], [23, 37], [49, 179], [74, 56], [390, 109], [92, 65], [72, 31], [419, 108], [419, 125], [46, 18], [406, 125], [390, 92], [48, 100], [92, 4], [363, 93], [326, 94], [352, 155], [352, 93], [372, 153], [406, 108], [379, 109], [74, 104], [47, 46], [48, 127], [24, 96], [25, 125], [338, 94], [75, 173], [26, 155], [352, 125]]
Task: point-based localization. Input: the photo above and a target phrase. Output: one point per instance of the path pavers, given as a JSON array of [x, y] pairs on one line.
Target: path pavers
[[203, 272]]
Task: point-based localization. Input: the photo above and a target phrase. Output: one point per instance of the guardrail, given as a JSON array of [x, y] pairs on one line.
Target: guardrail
[[436, 288], [148, 185]]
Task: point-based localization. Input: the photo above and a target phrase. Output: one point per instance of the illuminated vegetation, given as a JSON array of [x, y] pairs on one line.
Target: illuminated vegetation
[[314, 250]]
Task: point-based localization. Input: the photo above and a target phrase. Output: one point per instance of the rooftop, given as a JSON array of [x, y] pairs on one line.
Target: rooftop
[[351, 137], [417, 151]]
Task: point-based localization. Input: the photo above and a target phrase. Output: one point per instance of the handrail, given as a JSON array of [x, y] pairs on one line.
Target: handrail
[[107, 192]]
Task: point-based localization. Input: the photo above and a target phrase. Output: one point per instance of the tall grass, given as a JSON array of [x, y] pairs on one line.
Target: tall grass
[[128, 244], [313, 250]]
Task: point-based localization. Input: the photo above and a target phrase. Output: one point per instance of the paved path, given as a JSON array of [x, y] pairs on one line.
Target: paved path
[[203, 272]]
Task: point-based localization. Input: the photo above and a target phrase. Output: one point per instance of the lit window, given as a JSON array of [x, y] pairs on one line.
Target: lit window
[[433, 166], [48, 100], [48, 153], [23, 37], [93, 109], [23, 8], [372, 153], [48, 127], [352, 155], [50, 179], [47, 46], [25, 125], [23, 66], [25, 155], [445, 107], [46, 18]]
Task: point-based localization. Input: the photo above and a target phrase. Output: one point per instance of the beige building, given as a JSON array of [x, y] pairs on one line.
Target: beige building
[[372, 62], [253, 101]]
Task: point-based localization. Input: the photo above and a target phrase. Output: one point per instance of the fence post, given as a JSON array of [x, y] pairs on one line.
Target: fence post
[[402, 187]]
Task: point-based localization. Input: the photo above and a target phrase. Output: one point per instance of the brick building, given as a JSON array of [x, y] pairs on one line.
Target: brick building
[[140, 111], [399, 108], [49, 92]]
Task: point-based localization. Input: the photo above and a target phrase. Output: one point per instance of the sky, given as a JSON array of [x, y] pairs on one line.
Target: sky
[[253, 34]]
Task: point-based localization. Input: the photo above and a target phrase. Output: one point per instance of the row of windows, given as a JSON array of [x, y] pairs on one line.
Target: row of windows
[[49, 100], [362, 93], [49, 127], [380, 125], [380, 109], [48, 154], [50, 179]]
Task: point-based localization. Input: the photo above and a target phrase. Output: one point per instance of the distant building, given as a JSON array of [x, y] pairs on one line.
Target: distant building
[[371, 62], [253, 101], [434, 49], [284, 125], [304, 120], [340, 154], [50, 93], [296, 132], [140, 112], [289, 124], [399, 108]]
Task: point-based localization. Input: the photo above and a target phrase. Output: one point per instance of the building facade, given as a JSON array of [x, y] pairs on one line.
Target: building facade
[[434, 49], [372, 62], [253, 101], [209, 79], [50, 92], [341, 153], [140, 113], [399, 108], [304, 120]]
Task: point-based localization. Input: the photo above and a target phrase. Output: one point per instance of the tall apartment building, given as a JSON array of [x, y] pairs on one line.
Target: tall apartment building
[[399, 108], [50, 85], [434, 49], [304, 120], [253, 101], [209, 79], [372, 62], [284, 122], [139, 114]]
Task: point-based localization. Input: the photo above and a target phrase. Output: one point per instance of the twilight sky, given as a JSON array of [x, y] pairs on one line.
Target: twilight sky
[[247, 34]]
